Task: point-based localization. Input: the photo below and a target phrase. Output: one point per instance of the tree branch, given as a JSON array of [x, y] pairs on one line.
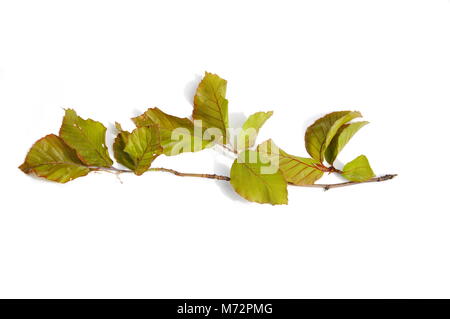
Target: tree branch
[[210, 176], [329, 186], [226, 178]]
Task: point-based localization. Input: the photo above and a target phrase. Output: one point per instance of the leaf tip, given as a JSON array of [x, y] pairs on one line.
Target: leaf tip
[[70, 111], [118, 127], [24, 167]]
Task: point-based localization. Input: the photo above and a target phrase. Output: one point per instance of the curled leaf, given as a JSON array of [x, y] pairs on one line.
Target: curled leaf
[[120, 142], [143, 146], [249, 179], [154, 116], [343, 135], [178, 135], [210, 104], [54, 160], [87, 138], [250, 129], [358, 170], [296, 170], [319, 135]]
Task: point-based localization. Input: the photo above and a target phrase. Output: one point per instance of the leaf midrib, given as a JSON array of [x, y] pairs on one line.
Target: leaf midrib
[[148, 149], [92, 145]]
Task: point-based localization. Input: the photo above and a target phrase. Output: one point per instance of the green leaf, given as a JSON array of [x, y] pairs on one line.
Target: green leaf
[[247, 136], [120, 142], [358, 170], [87, 138], [143, 146], [249, 180], [343, 135], [319, 135], [178, 135], [296, 170], [52, 159], [210, 105], [154, 116]]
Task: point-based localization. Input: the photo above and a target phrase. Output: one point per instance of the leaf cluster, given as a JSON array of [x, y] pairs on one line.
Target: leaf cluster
[[259, 173]]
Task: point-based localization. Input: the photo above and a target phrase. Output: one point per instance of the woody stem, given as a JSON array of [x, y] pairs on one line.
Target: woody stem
[[226, 178]]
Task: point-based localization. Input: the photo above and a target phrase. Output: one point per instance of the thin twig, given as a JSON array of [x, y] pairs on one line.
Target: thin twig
[[116, 171], [229, 149], [210, 176], [111, 169], [329, 186], [226, 178]]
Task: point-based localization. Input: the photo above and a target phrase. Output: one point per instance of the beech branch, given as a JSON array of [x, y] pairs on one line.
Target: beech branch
[[344, 184], [174, 172], [226, 178]]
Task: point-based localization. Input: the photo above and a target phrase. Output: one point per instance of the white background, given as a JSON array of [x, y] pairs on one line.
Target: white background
[[164, 236]]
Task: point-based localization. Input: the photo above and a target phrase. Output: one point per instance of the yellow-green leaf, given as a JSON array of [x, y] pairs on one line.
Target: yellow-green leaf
[[358, 170], [296, 170], [154, 116], [343, 135], [54, 160], [143, 146], [210, 104], [120, 142], [249, 180], [319, 135], [250, 129], [178, 135], [87, 138]]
